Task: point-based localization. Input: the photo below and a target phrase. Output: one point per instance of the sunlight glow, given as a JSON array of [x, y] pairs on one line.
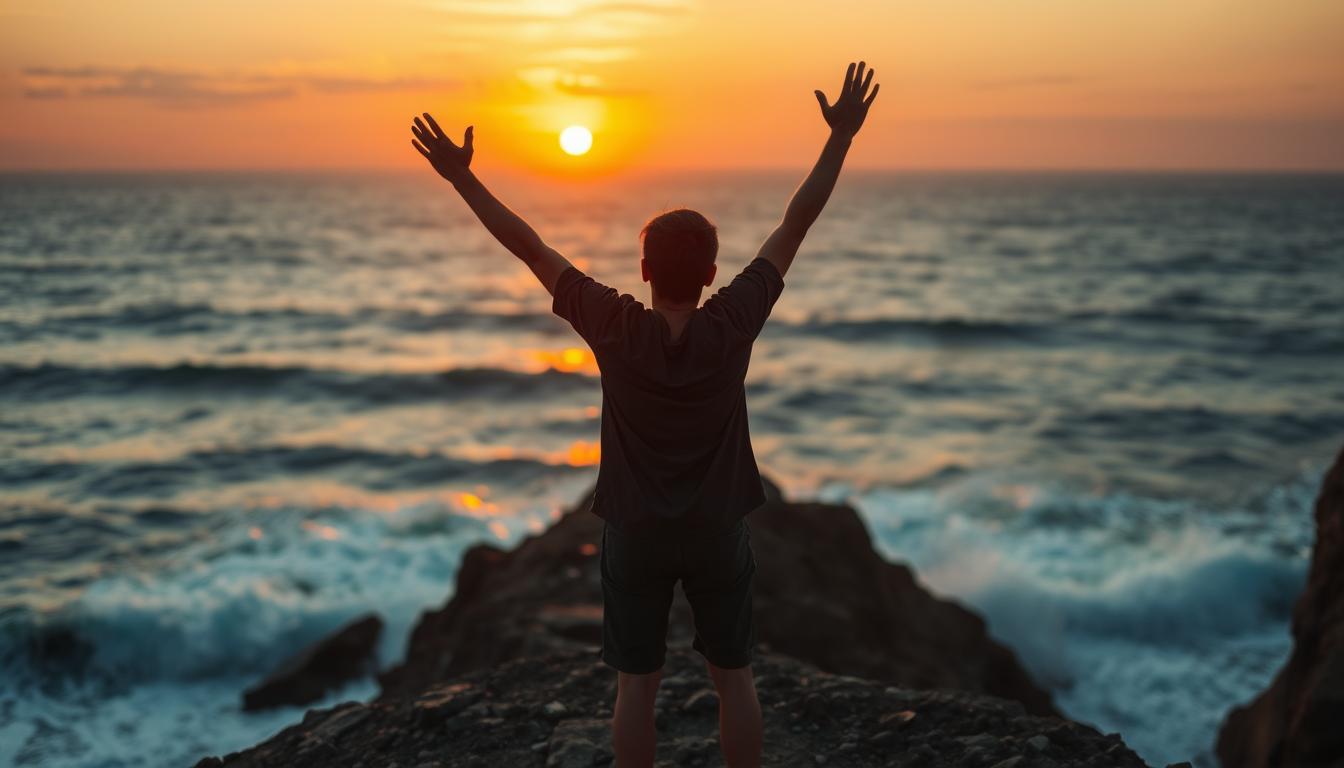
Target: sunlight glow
[[576, 140], [583, 454]]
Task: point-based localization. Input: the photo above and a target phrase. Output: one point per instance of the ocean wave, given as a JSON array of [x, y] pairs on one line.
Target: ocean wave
[[48, 381], [243, 599], [370, 469], [1160, 422], [944, 330], [171, 318], [1127, 607]]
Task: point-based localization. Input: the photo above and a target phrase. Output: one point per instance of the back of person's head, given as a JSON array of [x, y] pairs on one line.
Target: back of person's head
[[679, 251]]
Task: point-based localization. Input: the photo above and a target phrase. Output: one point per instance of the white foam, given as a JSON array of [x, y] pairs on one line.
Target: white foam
[[1150, 617], [174, 646]]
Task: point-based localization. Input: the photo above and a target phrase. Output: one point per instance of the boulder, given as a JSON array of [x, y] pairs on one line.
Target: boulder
[[1299, 719], [822, 594], [344, 655]]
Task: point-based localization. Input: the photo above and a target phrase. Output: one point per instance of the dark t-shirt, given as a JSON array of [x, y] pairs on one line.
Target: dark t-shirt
[[675, 446]]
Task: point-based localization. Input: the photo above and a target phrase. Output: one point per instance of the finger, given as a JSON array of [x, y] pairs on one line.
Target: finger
[[821, 99], [438, 132], [467, 138], [425, 137], [868, 79], [849, 76], [858, 76], [873, 95], [420, 149], [422, 132]]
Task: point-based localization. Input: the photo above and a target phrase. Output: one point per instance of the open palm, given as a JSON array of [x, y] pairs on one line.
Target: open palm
[[846, 115], [448, 159]]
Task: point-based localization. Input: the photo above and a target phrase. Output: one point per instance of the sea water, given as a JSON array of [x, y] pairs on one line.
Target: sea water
[[239, 410]]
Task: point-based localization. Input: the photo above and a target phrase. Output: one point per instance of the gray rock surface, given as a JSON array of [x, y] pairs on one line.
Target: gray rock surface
[[811, 718]]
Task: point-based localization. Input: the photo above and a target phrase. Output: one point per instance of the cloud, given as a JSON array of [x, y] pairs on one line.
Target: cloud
[[568, 46], [590, 85], [190, 89]]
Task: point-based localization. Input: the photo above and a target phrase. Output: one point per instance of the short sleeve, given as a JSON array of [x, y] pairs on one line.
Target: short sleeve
[[590, 307], [745, 303]]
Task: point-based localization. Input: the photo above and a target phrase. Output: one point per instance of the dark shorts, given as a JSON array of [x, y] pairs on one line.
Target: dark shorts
[[638, 573]]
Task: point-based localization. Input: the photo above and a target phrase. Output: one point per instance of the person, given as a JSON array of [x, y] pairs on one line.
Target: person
[[677, 476]]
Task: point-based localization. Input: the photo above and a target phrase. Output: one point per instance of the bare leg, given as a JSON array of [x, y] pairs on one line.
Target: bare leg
[[740, 728], [632, 732]]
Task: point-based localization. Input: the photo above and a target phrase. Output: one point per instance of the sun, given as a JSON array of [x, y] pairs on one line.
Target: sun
[[576, 140]]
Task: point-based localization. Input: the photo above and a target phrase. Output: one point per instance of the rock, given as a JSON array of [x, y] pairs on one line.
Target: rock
[[1039, 742], [1011, 762], [345, 655], [979, 741], [555, 710], [394, 731], [579, 744], [897, 719], [818, 578], [1297, 720], [704, 701]]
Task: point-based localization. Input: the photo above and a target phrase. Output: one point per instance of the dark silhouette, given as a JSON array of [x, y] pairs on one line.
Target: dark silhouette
[[677, 476]]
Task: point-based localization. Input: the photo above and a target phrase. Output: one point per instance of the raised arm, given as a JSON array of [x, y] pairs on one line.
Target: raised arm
[[453, 163], [845, 117]]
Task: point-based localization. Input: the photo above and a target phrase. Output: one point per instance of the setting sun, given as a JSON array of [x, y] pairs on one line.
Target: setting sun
[[576, 140]]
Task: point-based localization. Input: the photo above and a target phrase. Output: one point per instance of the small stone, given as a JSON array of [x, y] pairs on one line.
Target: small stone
[[979, 741], [820, 759], [1009, 763], [896, 719], [849, 746], [881, 737], [1040, 742], [555, 709], [539, 747], [579, 744], [479, 710], [702, 701]]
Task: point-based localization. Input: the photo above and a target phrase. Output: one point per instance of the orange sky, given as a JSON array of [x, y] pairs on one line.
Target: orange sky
[[1199, 84]]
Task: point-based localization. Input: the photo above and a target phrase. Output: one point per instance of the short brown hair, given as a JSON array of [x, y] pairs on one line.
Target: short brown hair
[[679, 248]]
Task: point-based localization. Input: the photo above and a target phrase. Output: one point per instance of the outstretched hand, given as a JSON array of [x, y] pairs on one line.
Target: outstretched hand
[[846, 115], [450, 160]]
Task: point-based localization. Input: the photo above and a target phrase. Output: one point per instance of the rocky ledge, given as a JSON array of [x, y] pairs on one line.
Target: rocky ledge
[[822, 594], [552, 710], [857, 665]]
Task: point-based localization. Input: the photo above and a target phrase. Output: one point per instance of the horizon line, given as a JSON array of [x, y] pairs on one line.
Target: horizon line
[[513, 172]]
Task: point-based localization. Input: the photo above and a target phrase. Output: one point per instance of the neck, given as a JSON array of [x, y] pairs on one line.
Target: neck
[[665, 305]]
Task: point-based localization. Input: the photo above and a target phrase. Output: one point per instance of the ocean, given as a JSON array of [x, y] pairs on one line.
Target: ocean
[[237, 410]]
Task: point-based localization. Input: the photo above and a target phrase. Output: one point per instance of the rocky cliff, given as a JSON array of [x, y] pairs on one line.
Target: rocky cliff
[[1299, 720], [822, 594]]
